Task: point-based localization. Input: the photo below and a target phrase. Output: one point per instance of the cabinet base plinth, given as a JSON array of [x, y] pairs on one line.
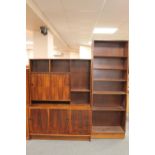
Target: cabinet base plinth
[[108, 135]]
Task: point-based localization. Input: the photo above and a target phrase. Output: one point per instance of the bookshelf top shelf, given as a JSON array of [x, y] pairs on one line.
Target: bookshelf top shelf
[[109, 56]]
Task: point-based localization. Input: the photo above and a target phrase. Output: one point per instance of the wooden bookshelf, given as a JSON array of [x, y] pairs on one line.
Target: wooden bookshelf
[[110, 69]]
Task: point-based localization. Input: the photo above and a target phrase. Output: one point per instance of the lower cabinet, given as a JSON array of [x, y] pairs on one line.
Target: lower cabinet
[[80, 122], [38, 121], [60, 121]]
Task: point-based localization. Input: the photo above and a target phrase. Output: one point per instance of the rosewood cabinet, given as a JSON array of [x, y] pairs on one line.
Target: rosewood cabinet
[[40, 86], [80, 122], [38, 121], [59, 121], [60, 88]]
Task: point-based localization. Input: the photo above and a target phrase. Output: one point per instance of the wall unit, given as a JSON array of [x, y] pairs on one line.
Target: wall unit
[[110, 69], [79, 99], [60, 96]]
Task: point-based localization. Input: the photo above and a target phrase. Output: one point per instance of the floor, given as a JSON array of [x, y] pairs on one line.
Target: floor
[[95, 147]]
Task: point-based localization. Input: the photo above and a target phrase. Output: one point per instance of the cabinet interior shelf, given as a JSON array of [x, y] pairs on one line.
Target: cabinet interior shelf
[[116, 108], [111, 80], [107, 129], [109, 68], [109, 92], [80, 90]]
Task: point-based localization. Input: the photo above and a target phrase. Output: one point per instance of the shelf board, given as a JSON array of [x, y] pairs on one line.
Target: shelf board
[[80, 90], [111, 80], [107, 129], [110, 68], [109, 92], [109, 56], [117, 108]]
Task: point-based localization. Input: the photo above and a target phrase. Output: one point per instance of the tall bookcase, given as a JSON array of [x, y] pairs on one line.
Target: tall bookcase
[[109, 90], [60, 99]]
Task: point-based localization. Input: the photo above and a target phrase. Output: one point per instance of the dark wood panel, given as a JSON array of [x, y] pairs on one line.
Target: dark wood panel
[[80, 122], [40, 86], [27, 103], [109, 63], [109, 48], [60, 87], [60, 65], [80, 98], [109, 74], [39, 65], [109, 100], [59, 121], [80, 80], [107, 118], [38, 121], [80, 66], [109, 86]]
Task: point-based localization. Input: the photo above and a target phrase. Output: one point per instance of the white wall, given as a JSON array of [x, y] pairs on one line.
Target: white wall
[[48, 47]]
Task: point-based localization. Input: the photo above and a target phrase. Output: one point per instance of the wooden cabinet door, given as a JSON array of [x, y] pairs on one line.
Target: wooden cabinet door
[[80, 122], [60, 89], [40, 86], [58, 121], [38, 120]]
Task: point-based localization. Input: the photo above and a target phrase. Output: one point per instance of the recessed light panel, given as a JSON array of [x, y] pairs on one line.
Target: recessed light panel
[[105, 30]]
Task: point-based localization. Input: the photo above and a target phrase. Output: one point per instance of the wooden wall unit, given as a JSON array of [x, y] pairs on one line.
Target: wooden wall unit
[[79, 99], [60, 99], [110, 72]]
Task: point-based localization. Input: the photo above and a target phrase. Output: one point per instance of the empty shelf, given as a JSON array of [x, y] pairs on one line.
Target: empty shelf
[[107, 129], [109, 92], [111, 80], [117, 108]]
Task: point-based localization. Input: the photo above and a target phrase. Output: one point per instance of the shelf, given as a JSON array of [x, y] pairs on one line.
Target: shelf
[[109, 92], [80, 90], [107, 129], [108, 56], [111, 80], [109, 68], [117, 108]]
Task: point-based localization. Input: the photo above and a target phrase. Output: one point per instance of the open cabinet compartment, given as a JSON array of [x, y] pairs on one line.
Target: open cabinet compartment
[[108, 122], [109, 102], [109, 63], [60, 65], [80, 98], [80, 75], [109, 49], [109, 86], [109, 74], [39, 65]]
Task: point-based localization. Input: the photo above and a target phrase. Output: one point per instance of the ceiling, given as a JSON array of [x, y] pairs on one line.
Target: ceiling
[[33, 22], [75, 20]]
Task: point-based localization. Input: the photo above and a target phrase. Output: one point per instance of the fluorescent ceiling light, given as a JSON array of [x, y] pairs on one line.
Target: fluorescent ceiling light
[[89, 43], [105, 30], [29, 42]]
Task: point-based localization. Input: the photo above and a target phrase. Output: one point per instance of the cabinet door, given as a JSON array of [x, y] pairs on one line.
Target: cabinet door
[[40, 86], [60, 89], [38, 120], [58, 121], [80, 122]]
